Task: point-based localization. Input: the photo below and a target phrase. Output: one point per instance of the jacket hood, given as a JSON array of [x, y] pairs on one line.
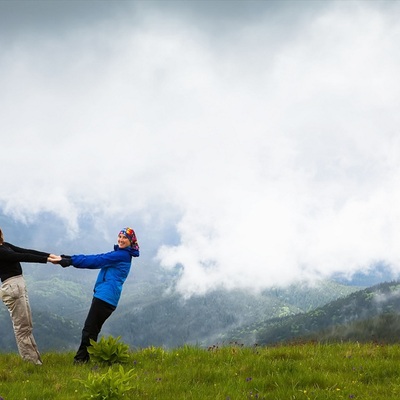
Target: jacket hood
[[133, 252]]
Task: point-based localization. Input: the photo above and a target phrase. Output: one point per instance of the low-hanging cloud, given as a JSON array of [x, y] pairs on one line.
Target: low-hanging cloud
[[271, 150]]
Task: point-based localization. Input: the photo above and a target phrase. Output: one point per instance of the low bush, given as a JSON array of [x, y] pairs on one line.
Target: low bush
[[109, 350], [113, 385]]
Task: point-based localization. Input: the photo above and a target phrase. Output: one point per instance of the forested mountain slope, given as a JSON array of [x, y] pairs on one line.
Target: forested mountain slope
[[368, 314]]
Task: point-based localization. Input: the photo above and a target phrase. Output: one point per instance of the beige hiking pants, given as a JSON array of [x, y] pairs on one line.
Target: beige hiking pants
[[15, 297]]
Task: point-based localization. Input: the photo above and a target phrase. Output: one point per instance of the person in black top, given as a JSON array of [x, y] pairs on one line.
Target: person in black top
[[14, 294]]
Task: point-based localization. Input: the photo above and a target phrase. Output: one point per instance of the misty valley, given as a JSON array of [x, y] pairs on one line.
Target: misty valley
[[151, 313]]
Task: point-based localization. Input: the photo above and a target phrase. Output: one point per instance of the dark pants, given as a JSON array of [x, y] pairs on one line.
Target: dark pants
[[98, 314]]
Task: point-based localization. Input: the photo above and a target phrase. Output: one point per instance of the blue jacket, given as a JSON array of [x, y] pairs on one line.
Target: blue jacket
[[114, 269]]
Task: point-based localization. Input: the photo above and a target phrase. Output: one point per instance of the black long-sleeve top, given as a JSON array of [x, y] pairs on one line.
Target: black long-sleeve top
[[11, 256]]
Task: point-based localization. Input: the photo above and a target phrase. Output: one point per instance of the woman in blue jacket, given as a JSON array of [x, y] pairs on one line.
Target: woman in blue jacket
[[114, 269]]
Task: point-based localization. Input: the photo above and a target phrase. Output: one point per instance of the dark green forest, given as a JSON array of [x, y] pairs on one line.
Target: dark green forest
[[367, 315]]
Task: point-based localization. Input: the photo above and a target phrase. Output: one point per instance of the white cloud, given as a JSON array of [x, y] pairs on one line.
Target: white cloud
[[276, 158]]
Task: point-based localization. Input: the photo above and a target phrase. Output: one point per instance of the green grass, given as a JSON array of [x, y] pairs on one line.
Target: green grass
[[301, 371]]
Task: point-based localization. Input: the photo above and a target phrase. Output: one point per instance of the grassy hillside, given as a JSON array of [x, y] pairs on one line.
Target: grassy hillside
[[309, 371]]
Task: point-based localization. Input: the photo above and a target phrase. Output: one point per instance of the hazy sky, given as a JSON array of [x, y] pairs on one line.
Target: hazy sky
[[250, 143]]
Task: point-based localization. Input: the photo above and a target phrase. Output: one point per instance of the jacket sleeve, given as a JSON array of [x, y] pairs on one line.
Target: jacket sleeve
[[97, 261], [27, 251], [20, 254]]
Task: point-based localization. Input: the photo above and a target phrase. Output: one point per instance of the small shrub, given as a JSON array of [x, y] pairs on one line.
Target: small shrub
[[109, 386], [109, 350], [154, 352]]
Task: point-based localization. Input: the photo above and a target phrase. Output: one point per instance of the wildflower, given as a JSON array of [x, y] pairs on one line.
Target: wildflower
[[248, 379]]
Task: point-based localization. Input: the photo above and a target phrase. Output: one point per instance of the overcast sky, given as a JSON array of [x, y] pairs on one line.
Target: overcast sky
[[250, 143]]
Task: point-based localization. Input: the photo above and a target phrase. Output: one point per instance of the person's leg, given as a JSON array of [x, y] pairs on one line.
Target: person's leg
[[98, 314], [15, 297]]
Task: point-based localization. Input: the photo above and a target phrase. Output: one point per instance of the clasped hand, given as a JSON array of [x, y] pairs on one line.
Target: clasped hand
[[54, 259], [64, 261]]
